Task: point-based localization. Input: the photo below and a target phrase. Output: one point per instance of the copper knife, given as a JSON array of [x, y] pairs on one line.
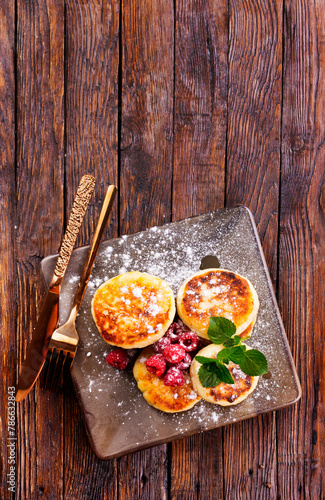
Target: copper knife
[[49, 315]]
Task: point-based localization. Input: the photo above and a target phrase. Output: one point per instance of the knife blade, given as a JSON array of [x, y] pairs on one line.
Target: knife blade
[[49, 315]]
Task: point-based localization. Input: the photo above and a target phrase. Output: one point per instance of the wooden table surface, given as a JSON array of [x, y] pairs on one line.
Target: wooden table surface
[[187, 107]]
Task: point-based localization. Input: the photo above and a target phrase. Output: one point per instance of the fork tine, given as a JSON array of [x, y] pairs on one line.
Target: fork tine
[[53, 369], [55, 385], [59, 365], [49, 367], [66, 368]]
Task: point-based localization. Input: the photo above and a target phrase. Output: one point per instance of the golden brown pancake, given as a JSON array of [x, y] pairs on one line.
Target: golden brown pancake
[[216, 292], [223, 394], [133, 309], [157, 394], [246, 334]]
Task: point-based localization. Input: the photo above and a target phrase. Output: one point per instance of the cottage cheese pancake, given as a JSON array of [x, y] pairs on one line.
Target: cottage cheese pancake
[[223, 394], [216, 292], [133, 309], [247, 333], [156, 393]]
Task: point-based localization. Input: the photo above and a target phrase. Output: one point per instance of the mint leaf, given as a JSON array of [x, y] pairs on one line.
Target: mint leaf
[[224, 374], [222, 355], [235, 354], [254, 363], [229, 343], [213, 373], [220, 329], [208, 378], [237, 340], [204, 361]]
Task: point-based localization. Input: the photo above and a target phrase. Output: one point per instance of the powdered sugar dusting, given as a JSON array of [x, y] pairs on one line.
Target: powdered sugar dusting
[[137, 292], [111, 399]]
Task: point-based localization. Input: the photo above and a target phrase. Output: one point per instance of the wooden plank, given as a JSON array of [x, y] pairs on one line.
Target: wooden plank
[[7, 245], [40, 130], [253, 144], [147, 113], [253, 166], [201, 46], [301, 434], [92, 55], [146, 172], [200, 106]]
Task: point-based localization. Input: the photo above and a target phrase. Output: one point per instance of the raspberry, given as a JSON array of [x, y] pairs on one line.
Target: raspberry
[[189, 341], [183, 326], [118, 358], [174, 353], [160, 345], [174, 331], [156, 364], [174, 377], [185, 363]]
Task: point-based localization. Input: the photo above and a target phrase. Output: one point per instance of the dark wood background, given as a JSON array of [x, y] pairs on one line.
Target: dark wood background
[[187, 106]]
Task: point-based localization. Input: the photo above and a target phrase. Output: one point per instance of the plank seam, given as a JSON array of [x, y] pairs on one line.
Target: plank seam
[[119, 120], [279, 220], [227, 122], [119, 169], [174, 90], [65, 197], [225, 204]]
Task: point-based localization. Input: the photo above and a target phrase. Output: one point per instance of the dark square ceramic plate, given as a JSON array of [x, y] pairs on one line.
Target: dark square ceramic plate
[[118, 418]]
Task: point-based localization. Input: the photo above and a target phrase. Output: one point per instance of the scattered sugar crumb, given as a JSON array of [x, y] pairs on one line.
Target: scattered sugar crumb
[[214, 417], [137, 292], [174, 259]]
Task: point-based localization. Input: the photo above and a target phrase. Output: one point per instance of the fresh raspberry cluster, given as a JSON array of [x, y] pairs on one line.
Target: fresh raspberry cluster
[[173, 354]]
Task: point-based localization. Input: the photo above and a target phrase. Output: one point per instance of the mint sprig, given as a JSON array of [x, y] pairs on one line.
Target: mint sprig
[[213, 371], [254, 363], [220, 329]]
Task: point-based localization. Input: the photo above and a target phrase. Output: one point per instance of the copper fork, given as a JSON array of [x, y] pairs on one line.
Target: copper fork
[[64, 340]]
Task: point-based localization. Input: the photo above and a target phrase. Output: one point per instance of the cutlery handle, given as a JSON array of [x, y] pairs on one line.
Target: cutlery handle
[[91, 256], [80, 204]]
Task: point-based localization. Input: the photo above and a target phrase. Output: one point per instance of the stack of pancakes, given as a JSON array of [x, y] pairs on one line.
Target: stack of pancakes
[[134, 310], [218, 292]]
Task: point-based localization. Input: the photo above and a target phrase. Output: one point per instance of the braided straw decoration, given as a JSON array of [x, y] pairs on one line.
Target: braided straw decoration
[[84, 192]]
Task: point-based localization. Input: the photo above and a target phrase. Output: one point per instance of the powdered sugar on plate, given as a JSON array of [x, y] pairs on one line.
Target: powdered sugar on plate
[[111, 399]]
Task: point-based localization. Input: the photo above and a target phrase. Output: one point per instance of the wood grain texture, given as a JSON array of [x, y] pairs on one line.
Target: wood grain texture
[[7, 239], [91, 73], [147, 113], [302, 231], [200, 126], [40, 128], [254, 112], [92, 56], [253, 169], [200, 119], [197, 87], [146, 172]]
